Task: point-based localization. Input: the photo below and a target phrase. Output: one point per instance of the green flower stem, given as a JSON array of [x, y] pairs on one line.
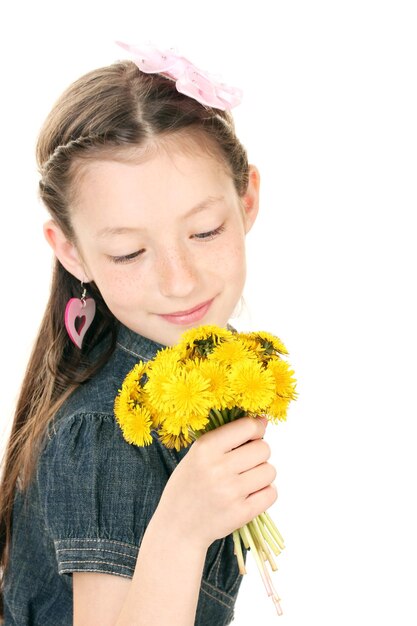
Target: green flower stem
[[214, 421], [261, 567], [275, 549], [272, 529], [256, 531], [252, 536], [249, 539], [238, 552], [255, 536], [219, 416], [243, 537], [276, 529], [236, 412]]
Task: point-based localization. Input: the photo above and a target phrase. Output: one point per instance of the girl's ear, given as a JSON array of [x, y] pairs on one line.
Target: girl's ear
[[251, 198], [64, 250]]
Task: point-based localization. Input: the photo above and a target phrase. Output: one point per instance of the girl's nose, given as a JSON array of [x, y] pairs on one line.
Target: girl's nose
[[177, 273]]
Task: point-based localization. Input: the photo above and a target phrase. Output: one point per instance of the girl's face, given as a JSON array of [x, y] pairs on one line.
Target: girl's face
[[163, 239]]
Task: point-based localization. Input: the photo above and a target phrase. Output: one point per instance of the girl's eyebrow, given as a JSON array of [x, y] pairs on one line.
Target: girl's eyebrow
[[123, 230], [205, 204]]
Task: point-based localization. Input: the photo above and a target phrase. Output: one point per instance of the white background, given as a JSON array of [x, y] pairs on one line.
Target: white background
[[329, 116]]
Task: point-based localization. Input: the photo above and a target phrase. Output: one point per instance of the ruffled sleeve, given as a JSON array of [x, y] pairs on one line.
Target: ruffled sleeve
[[98, 493]]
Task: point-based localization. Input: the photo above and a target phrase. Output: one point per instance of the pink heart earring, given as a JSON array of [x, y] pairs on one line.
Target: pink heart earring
[[79, 315]]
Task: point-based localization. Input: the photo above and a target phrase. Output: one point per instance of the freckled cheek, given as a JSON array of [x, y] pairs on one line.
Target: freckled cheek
[[229, 260], [118, 287]]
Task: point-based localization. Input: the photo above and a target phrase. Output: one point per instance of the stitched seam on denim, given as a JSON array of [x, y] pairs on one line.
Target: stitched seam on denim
[[229, 597], [101, 571], [93, 414], [237, 581], [216, 563], [144, 358], [95, 550], [172, 456], [228, 606], [99, 563], [87, 539]]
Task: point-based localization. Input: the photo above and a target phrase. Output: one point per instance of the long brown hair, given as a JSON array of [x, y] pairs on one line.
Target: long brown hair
[[105, 111]]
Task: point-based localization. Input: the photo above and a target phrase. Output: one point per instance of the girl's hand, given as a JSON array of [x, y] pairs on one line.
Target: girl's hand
[[221, 484]]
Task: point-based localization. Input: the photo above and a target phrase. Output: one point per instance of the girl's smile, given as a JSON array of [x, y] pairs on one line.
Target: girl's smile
[[188, 317]]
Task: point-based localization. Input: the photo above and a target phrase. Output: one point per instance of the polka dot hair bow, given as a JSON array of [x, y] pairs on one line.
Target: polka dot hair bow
[[189, 80]]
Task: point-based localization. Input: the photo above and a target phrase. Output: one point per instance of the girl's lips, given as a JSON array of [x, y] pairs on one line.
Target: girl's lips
[[187, 317]]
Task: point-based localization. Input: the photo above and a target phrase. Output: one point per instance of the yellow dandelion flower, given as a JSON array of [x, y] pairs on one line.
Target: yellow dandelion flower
[[164, 360], [134, 420], [218, 379], [200, 341], [197, 422], [283, 377], [156, 416], [253, 385], [176, 423], [169, 440], [122, 405], [278, 409], [252, 345], [270, 344], [160, 372], [186, 393], [136, 372], [206, 332], [131, 394], [133, 383], [231, 352]]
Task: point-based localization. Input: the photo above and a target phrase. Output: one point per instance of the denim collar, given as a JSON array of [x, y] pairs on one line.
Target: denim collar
[[137, 345]]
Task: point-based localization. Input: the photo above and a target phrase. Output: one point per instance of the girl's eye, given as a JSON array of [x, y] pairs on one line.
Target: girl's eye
[[210, 234], [127, 257]]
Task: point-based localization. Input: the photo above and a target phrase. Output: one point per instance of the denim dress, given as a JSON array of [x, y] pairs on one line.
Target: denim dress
[[90, 501]]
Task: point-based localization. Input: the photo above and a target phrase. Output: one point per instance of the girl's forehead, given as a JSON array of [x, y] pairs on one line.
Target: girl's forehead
[[173, 150], [167, 180]]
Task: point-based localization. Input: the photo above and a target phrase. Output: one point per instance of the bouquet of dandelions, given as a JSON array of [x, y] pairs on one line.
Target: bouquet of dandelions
[[211, 377]]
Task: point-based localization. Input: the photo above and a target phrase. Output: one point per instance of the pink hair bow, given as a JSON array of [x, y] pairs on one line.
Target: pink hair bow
[[189, 80]]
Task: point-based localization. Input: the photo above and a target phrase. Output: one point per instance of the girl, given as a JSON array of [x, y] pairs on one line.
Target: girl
[[150, 196]]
